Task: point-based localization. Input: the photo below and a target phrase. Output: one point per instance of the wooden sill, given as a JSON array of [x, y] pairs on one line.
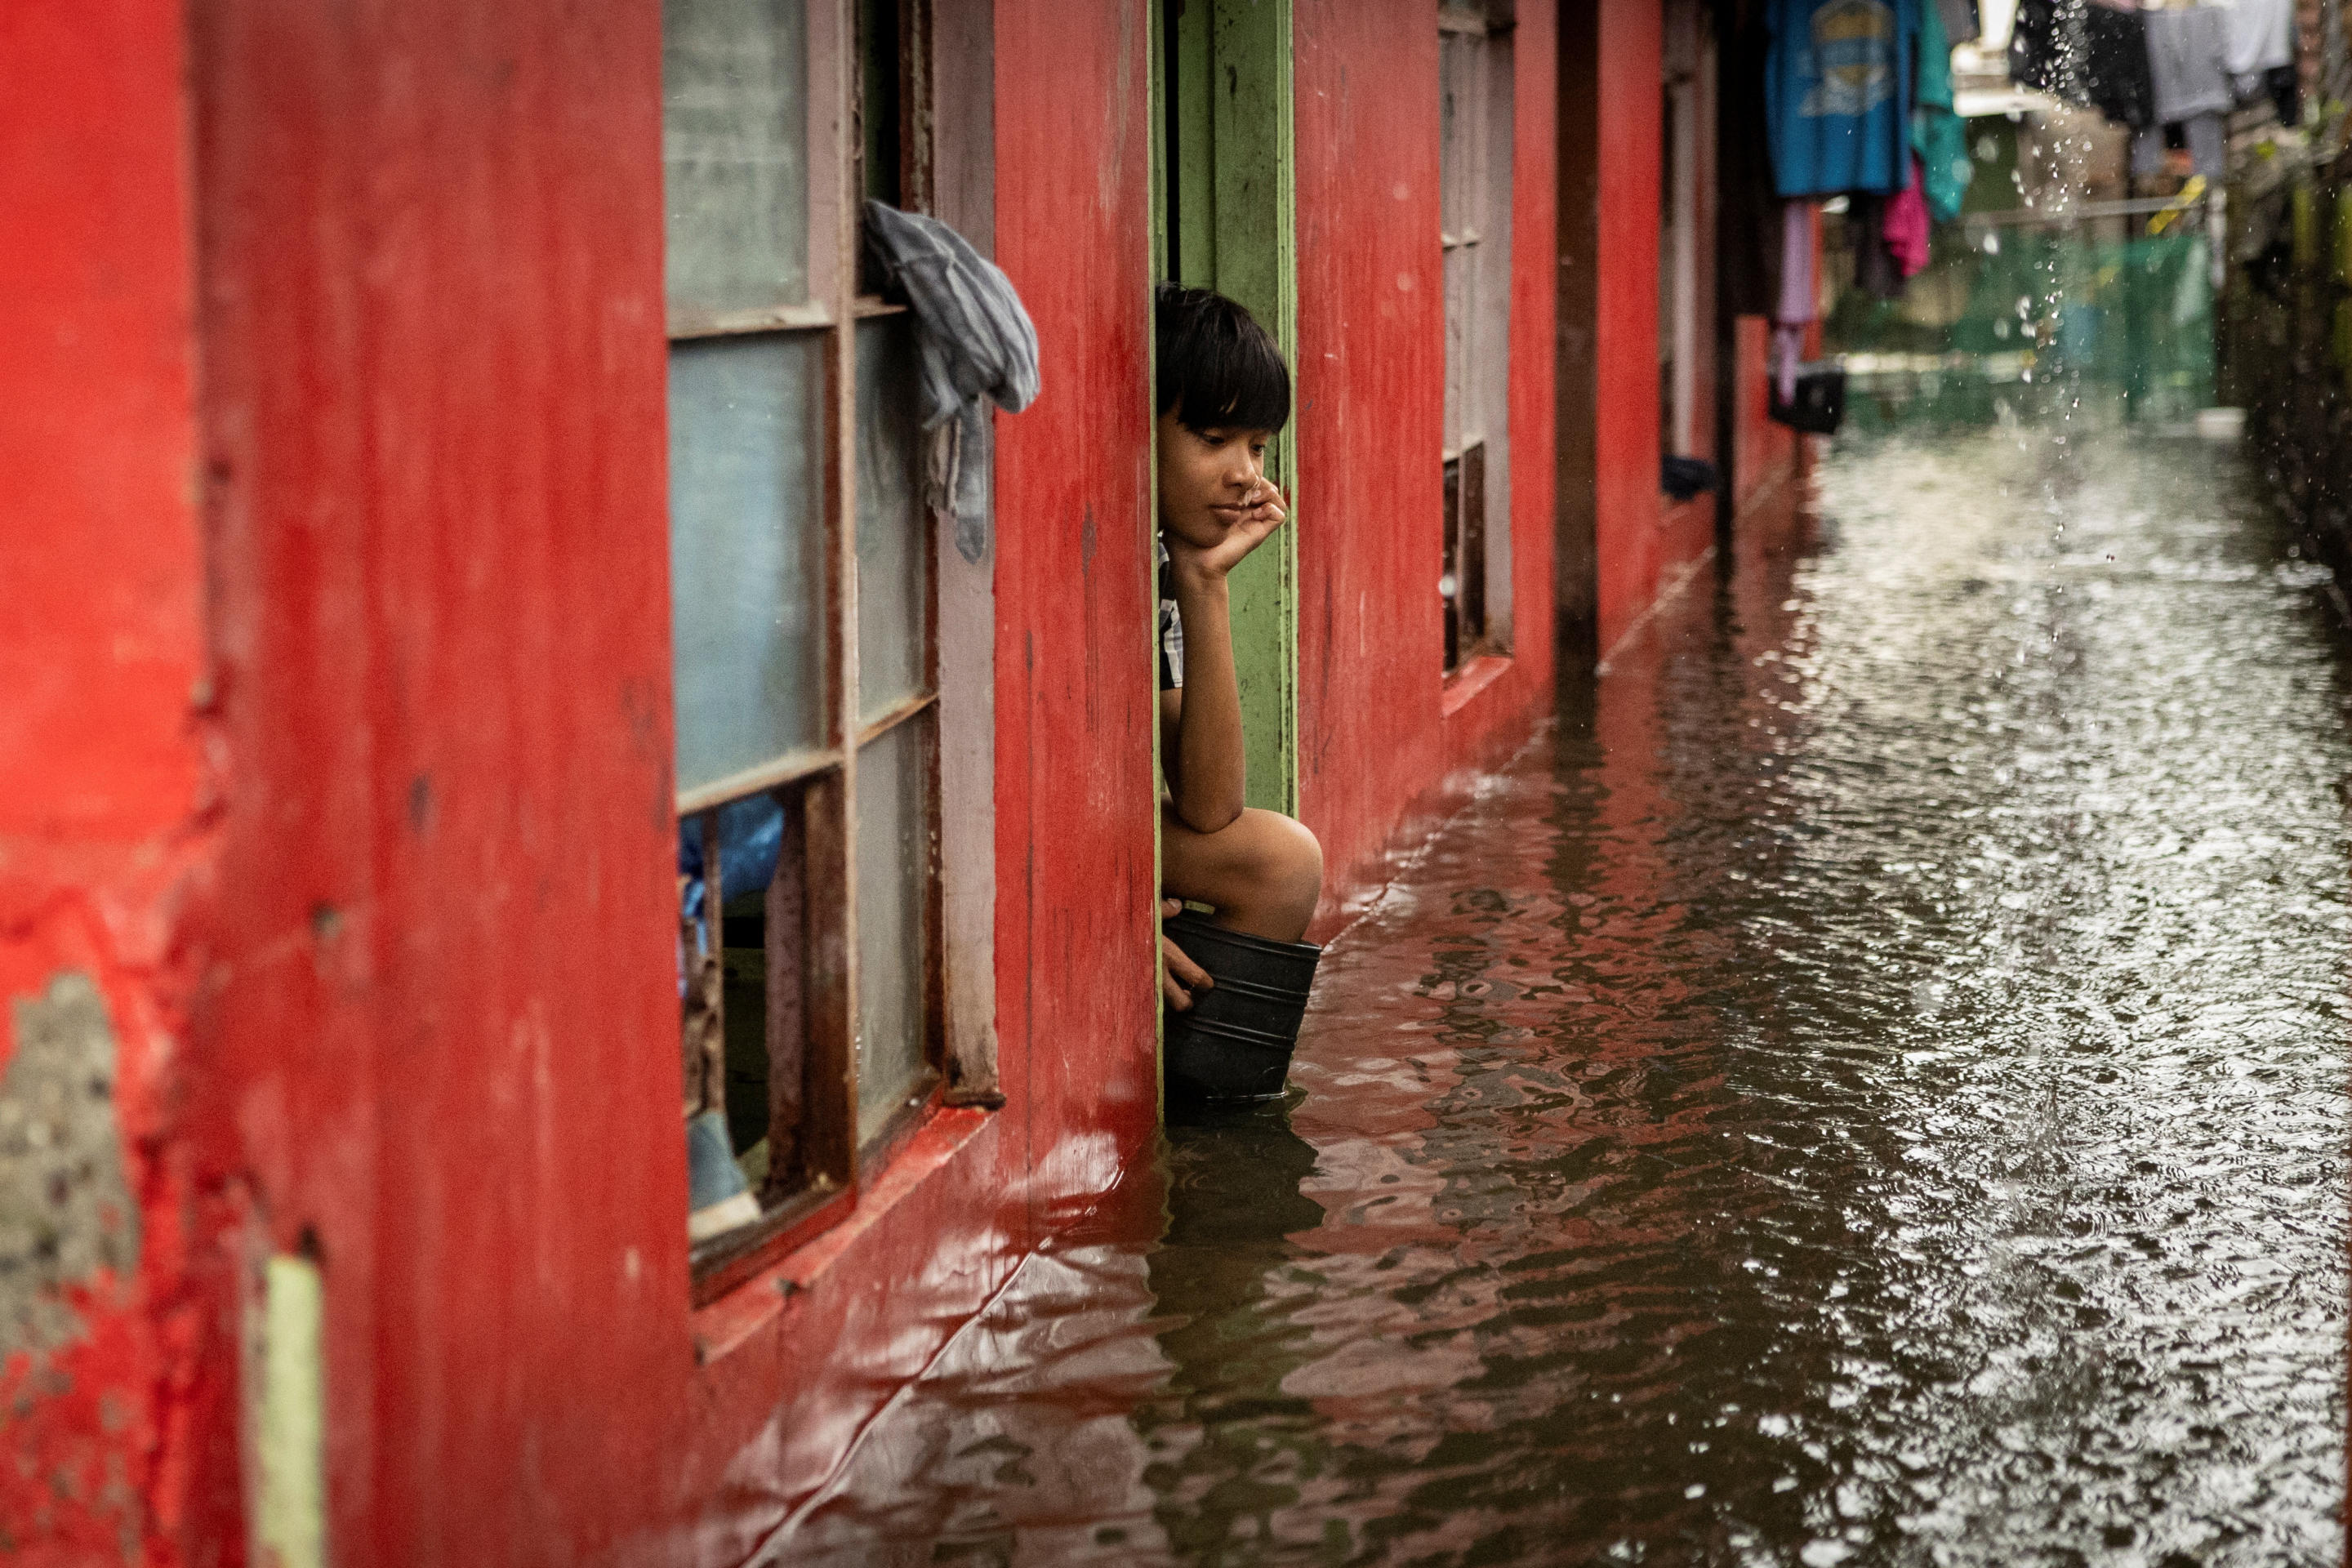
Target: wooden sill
[[736, 1318], [1471, 679]]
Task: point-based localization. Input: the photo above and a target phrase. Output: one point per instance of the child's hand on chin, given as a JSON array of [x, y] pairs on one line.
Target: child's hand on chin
[[1247, 528]]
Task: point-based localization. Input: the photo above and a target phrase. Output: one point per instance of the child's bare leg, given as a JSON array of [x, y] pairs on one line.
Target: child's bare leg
[[1262, 871]]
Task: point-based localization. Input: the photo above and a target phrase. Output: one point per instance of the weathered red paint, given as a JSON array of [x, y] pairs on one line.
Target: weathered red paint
[[438, 980], [370, 854], [433, 348], [1076, 684], [1380, 738], [1642, 544], [786, 1393], [105, 834]]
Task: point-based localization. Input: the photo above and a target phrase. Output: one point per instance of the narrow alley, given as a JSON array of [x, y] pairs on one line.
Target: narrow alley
[[1871, 1089]]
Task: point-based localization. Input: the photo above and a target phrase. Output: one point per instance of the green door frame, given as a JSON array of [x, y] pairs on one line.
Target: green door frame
[[1225, 108]]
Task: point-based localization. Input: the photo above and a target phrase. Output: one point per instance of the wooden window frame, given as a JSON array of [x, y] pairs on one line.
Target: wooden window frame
[[818, 872], [1475, 581], [1682, 108]]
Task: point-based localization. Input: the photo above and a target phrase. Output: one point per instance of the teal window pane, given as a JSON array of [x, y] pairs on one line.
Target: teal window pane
[[893, 870], [735, 153], [746, 552], [893, 525]]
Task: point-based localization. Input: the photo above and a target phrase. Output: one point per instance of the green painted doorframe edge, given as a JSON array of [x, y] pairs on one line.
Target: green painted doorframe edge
[[1238, 232]]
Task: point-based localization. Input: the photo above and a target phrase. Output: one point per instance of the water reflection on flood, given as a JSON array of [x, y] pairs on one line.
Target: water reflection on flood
[[1871, 1089]]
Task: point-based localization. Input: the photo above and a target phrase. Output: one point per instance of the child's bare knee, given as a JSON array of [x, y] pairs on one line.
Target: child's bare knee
[[1290, 854]]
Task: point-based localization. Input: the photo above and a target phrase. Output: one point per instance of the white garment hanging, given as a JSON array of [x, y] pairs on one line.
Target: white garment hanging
[[2262, 37]]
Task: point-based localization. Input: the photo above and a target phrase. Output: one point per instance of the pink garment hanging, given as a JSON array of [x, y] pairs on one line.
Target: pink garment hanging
[[1908, 223], [1800, 296]]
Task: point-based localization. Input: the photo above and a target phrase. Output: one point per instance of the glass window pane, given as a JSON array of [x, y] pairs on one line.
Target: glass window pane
[[735, 152], [746, 550], [1454, 110], [893, 530], [893, 862], [1460, 329]]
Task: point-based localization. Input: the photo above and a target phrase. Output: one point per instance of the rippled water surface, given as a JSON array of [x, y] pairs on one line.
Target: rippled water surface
[[1869, 1087]]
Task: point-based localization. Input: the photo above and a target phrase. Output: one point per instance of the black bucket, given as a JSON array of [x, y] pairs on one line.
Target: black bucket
[[1236, 1040]]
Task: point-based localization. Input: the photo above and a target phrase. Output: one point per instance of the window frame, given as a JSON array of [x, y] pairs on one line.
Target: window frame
[[819, 875], [1682, 109], [1475, 217]]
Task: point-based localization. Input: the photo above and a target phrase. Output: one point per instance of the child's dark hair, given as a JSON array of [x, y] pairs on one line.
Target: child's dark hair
[[1218, 369]]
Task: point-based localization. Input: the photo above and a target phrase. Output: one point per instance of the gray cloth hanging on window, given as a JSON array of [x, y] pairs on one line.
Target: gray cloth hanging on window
[[974, 339]]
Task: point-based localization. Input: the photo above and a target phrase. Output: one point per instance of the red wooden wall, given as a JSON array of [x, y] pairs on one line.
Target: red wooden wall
[[106, 833], [1643, 543], [1381, 734], [1077, 695], [1767, 459], [432, 1039], [783, 1395], [370, 855]]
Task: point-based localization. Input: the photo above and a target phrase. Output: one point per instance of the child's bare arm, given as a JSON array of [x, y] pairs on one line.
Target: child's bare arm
[[1204, 765]]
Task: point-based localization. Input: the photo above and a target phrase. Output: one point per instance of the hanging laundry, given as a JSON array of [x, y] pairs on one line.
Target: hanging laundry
[[2116, 78], [1837, 85], [2085, 53], [1798, 302], [2045, 46], [2260, 39], [1907, 231], [1875, 271], [2285, 84], [2189, 71], [1938, 136], [2189, 63], [1946, 167], [2209, 145]]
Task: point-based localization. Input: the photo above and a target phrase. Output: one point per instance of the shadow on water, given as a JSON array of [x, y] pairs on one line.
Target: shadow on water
[[1231, 1441], [1867, 1086]]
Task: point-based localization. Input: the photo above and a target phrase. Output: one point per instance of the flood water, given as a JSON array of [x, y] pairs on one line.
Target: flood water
[[1867, 1086]]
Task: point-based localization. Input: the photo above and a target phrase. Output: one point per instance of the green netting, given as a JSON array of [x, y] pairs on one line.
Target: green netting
[[2043, 306]]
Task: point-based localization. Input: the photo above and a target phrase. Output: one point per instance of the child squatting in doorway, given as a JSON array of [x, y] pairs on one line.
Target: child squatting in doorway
[[1222, 392]]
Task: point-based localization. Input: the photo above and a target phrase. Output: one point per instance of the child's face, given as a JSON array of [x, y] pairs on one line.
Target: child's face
[[1209, 479]]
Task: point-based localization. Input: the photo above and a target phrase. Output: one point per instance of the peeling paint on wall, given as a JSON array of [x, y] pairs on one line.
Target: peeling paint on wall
[[66, 1211]]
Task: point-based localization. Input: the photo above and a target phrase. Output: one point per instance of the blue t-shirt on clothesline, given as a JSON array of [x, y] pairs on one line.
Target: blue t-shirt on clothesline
[[1837, 95]]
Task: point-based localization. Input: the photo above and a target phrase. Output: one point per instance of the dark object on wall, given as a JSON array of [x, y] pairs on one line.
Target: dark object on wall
[[1236, 1041], [1819, 406], [1682, 478]]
